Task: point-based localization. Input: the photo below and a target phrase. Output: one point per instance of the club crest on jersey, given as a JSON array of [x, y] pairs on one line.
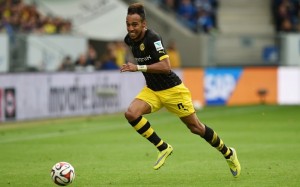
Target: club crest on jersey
[[142, 47], [158, 45]]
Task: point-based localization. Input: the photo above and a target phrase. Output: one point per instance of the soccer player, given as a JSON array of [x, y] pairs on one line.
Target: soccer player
[[163, 89]]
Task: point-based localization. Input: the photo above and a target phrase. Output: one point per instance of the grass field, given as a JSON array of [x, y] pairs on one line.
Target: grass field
[[106, 151]]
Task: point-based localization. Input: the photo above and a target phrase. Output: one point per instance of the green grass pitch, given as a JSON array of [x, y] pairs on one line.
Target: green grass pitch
[[106, 151]]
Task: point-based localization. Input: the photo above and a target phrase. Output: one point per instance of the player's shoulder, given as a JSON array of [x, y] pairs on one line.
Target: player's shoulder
[[152, 35], [152, 38]]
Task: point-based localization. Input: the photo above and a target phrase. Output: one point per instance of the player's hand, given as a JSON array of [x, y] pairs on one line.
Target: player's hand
[[128, 67]]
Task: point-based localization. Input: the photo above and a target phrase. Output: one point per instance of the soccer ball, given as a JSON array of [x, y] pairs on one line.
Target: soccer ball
[[62, 173]]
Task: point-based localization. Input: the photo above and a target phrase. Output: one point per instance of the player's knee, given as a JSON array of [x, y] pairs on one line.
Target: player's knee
[[127, 115], [130, 116]]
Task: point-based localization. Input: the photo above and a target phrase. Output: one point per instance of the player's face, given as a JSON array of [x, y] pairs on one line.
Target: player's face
[[135, 26]]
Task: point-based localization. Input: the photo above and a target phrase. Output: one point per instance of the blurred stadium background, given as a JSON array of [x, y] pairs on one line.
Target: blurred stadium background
[[62, 96], [60, 58]]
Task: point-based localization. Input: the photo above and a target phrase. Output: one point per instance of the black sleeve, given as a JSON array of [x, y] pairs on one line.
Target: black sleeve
[[156, 47]]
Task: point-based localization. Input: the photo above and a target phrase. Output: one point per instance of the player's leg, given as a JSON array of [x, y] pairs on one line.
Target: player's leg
[[178, 100], [196, 127], [134, 115]]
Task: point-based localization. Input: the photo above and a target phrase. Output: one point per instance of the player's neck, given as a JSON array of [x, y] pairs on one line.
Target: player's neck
[[141, 36]]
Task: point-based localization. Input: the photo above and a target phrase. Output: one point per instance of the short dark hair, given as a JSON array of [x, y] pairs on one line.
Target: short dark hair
[[137, 8]]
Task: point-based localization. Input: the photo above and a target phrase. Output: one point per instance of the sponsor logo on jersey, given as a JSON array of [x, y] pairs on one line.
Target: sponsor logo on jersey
[[143, 59], [158, 45]]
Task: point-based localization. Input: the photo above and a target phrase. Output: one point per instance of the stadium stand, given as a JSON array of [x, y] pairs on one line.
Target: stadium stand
[[223, 34], [243, 34], [197, 15], [17, 16], [246, 31], [286, 15]]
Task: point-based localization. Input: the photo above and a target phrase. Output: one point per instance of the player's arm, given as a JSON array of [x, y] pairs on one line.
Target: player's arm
[[163, 66]]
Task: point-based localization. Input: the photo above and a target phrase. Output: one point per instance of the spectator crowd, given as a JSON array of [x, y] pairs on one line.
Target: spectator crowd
[[201, 15], [19, 17], [198, 15], [286, 14], [111, 58]]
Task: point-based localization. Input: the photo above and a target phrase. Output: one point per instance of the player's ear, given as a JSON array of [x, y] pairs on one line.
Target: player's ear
[[144, 24]]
